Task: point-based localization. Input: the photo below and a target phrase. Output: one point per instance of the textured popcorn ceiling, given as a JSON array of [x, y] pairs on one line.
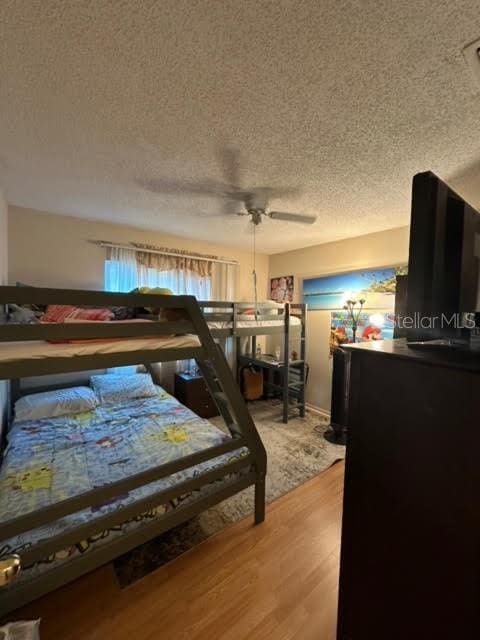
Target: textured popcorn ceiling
[[344, 100]]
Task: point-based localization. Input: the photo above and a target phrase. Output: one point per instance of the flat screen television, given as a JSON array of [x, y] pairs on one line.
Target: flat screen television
[[443, 298]]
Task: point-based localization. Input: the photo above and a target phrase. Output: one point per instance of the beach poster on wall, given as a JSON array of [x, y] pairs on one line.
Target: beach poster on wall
[[375, 286]]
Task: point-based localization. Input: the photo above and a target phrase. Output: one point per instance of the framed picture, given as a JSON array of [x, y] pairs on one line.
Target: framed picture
[[375, 286], [281, 289]]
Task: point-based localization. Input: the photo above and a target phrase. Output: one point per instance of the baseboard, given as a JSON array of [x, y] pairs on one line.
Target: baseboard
[[322, 412]]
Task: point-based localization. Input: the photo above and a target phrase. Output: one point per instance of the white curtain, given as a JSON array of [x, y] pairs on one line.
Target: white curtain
[[123, 272], [224, 282], [224, 285]]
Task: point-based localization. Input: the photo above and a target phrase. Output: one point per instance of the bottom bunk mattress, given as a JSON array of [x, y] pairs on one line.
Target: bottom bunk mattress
[[53, 459]]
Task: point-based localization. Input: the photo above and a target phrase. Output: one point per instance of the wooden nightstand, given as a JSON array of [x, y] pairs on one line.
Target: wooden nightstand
[[193, 393]]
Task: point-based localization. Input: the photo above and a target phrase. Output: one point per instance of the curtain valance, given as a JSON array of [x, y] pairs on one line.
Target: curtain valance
[[164, 259]]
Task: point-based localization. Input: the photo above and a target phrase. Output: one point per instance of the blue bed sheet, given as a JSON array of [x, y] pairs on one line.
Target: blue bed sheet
[[53, 459]]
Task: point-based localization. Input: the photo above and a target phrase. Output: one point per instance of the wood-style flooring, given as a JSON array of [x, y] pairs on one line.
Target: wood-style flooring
[[276, 581]]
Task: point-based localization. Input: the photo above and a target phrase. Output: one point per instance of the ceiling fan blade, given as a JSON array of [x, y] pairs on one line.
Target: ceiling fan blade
[[202, 214], [278, 192], [231, 207], [259, 197], [292, 217], [202, 187], [229, 157]]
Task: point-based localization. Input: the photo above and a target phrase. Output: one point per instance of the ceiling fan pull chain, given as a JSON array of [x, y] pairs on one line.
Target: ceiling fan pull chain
[[255, 271]]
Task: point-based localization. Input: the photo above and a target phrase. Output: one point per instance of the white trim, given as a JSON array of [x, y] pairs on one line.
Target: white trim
[[162, 253], [322, 412]]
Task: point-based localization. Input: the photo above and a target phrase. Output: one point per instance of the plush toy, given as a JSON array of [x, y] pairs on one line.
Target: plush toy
[[338, 336], [371, 333], [169, 315], [21, 315]]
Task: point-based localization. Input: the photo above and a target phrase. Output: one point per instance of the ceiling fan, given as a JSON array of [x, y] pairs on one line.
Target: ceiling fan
[[255, 200], [257, 213]]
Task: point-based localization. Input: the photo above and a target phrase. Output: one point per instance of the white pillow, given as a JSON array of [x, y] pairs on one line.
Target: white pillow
[[112, 387], [268, 308], [246, 317], [60, 402], [273, 308]]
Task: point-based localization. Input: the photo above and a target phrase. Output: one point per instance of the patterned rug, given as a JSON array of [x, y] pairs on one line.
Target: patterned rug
[[296, 451]]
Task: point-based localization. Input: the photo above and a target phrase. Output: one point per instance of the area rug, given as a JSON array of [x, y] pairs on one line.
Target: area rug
[[296, 451]]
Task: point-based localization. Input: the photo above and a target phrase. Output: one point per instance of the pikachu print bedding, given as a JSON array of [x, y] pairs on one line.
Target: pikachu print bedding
[[49, 460]]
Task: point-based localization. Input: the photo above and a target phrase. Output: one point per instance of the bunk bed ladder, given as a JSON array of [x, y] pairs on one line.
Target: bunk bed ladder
[[215, 388], [286, 367], [303, 358], [298, 387], [230, 401]]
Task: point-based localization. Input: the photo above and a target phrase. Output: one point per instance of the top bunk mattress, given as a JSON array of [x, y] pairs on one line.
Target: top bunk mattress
[[39, 349], [253, 323]]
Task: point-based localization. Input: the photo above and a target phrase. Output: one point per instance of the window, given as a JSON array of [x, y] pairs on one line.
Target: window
[[123, 273]]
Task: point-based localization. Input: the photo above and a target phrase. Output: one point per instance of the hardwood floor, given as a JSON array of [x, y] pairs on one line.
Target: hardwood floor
[[276, 581]]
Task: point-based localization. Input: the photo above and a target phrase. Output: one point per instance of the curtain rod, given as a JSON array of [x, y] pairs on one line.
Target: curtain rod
[[162, 253]]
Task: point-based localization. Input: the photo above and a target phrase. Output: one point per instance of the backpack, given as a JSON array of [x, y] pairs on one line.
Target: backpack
[[251, 382]]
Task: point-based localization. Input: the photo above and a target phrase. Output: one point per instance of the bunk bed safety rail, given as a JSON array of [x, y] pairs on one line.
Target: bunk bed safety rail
[[72, 535], [102, 494], [92, 330], [85, 297]]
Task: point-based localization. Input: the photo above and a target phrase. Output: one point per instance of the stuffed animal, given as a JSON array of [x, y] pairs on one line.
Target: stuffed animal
[[21, 315], [168, 315], [371, 333]]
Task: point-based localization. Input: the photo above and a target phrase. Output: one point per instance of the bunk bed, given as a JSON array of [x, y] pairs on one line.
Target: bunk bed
[[286, 377], [188, 483]]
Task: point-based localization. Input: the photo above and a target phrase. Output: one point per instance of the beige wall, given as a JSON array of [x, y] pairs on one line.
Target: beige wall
[[3, 280], [373, 250], [52, 250]]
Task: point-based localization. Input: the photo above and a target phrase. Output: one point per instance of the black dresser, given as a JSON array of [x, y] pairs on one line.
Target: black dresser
[[410, 559], [192, 391]]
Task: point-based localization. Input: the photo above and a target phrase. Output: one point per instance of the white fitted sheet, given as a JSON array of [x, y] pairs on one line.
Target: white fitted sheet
[[39, 349], [251, 324]]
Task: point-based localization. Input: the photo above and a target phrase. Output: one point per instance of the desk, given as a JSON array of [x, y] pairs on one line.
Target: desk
[[283, 379]]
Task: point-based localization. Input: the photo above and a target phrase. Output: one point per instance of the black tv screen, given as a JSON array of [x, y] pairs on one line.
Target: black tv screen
[[444, 262]]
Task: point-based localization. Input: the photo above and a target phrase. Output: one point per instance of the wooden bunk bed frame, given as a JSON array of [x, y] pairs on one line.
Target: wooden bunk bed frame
[[222, 385], [227, 313]]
